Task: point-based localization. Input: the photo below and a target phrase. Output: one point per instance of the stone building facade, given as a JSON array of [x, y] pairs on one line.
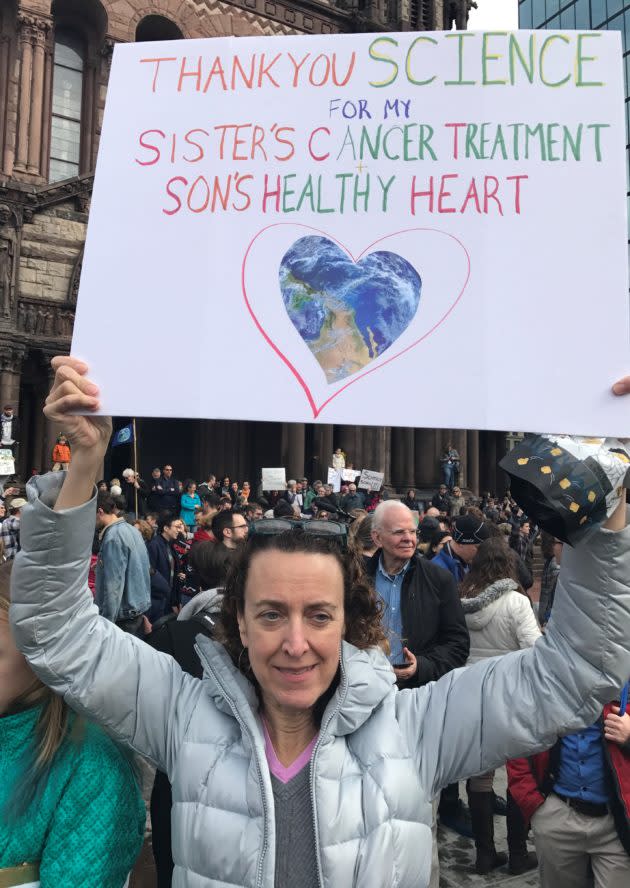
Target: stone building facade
[[55, 58]]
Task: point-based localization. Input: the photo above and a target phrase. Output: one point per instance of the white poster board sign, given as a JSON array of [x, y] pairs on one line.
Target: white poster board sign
[[334, 478], [357, 206], [274, 479], [370, 480], [7, 463], [350, 475]]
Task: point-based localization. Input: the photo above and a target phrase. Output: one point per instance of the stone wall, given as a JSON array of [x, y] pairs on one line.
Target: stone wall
[[51, 244]]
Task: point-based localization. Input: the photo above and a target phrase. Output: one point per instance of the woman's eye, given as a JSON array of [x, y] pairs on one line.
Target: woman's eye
[[321, 618], [271, 616]]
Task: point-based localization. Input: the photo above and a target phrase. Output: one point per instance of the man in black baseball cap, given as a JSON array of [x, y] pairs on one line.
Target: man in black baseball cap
[[455, 557]]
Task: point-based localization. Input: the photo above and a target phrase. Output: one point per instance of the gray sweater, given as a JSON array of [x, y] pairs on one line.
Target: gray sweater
[[296, 859]]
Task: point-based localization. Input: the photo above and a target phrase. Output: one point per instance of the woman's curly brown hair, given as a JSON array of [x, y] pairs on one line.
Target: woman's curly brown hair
[[362, 607]]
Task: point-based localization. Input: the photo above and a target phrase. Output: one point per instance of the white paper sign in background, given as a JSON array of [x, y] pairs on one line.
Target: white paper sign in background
[[274, 479], [370, 480], [404, 229]]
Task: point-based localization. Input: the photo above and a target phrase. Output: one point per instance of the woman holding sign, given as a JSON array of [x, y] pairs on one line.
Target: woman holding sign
[[70, 809], [296, 761]]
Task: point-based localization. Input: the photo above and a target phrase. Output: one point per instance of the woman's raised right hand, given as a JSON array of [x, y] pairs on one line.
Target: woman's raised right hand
[[72, 391]]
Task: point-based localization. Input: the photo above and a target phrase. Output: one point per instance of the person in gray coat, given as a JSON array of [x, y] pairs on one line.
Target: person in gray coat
[[296, 760]]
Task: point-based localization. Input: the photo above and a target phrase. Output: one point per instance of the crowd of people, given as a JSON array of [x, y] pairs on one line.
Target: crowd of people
[[293, 764]]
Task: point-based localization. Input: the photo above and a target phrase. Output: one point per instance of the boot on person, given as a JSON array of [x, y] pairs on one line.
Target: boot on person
[[481, 806], [520, 859]]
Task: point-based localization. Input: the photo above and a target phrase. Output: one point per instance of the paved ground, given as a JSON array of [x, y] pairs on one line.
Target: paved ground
[[456, 857]]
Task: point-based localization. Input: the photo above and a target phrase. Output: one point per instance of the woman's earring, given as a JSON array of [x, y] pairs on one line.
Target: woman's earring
[[240, 657]]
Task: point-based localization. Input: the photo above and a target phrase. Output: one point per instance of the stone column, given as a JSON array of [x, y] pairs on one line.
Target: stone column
[[403, 458], [322, 451], [5, 51], [40, 33], [438, 15], [50, 429], [44, 154], [100, 88], [377, 451], [459, 439], [473, 461], [425, 463], [26, 34], [350, 439], [293, 449], [42, 452], [10, 377], [88, 118]]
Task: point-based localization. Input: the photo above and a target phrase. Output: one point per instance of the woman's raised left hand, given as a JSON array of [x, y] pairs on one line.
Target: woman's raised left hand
[[71, 391]]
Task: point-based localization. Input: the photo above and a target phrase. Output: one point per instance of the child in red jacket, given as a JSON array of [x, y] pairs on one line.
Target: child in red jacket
[[61, 454]]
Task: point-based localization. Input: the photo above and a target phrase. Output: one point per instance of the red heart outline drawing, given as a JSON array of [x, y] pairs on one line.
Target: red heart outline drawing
[[315, 409]]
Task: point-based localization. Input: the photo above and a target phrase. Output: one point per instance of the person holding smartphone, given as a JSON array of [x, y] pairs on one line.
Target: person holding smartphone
[[423, 614]]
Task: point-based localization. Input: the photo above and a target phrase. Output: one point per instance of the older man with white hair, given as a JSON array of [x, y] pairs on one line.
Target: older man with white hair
[[135, 492], [423, 613]]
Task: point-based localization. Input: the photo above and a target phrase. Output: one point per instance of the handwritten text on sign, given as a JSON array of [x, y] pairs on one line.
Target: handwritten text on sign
[[378, 128], [359, 210]]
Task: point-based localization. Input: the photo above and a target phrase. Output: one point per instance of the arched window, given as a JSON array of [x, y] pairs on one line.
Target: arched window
[[157, 27], [67, 100]]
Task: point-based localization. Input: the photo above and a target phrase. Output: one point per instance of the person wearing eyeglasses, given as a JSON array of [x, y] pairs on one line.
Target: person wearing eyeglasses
[[422, 613], [297, 760], [230, 528]]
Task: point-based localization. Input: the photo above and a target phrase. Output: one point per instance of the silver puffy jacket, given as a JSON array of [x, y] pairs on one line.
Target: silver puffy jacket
[[382, 755]]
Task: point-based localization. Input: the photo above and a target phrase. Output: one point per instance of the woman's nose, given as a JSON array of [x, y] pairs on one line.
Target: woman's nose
[[295, 642]]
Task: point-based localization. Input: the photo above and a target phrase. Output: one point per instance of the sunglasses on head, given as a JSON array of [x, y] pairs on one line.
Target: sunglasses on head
[[329, 530]]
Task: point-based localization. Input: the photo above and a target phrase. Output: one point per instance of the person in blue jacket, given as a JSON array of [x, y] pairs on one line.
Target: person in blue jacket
[[189, 500], [456, 556]]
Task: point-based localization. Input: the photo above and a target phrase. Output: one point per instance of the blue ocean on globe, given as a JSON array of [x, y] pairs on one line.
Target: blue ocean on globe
[[348, 313]]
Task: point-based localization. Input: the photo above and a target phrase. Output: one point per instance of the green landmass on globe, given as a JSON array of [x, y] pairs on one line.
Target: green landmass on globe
[[348, 313]]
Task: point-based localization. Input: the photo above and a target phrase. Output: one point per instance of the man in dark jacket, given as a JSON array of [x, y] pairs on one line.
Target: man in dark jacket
[[423, 611], [166, 492], [441, 500], [135, 492], [353, 499], [162, 566]]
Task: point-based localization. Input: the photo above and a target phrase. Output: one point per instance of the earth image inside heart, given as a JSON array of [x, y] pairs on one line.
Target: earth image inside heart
[[348, 313]]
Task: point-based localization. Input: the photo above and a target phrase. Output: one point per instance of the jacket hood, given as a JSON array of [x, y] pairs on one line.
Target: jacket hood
[[480, 610], [366, 679], [207, 602]]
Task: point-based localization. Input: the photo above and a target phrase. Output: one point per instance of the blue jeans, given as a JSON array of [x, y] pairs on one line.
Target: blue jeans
[[449, 475]]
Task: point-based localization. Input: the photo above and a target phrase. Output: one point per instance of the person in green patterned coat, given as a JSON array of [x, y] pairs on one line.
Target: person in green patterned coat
[[71, 813]]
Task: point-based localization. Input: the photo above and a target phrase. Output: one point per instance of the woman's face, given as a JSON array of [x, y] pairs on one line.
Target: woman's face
[[292, 626], [235, 486], [16, 675], [3, 510], [192, 488], [226, 482]]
